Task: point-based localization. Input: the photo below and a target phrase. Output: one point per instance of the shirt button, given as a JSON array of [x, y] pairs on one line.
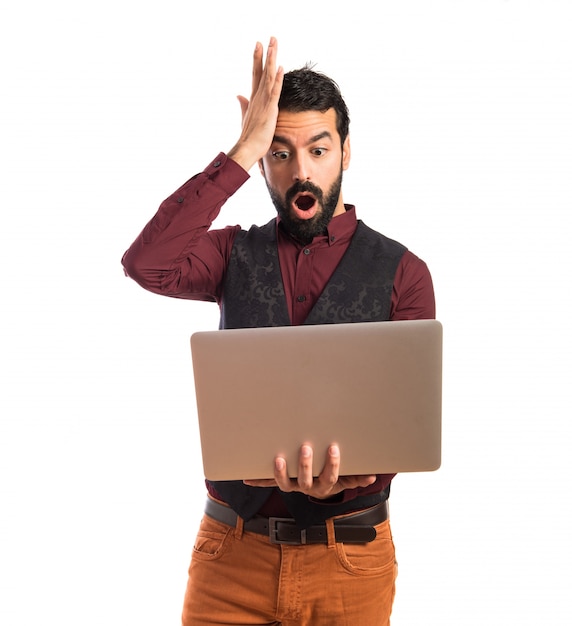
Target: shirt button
[[307, 251], [301, 298], [332, 238], [216, 164], [180, 200]]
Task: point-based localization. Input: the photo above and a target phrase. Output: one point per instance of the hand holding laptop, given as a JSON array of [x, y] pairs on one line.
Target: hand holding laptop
[[328, 483]]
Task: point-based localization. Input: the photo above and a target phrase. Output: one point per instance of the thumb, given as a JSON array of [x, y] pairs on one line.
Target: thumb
[[243, 105]]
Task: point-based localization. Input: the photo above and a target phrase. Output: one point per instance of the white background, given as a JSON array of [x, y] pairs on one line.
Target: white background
[[462, 149]]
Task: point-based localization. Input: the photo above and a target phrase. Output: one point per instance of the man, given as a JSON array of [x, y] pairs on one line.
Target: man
[[315, 263]]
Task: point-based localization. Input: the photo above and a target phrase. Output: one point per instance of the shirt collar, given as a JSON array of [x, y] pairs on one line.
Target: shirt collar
[[341, 227]]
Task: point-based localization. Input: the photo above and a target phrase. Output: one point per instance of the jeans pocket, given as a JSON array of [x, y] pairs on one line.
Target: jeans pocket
[[369, 559], [211, 541]]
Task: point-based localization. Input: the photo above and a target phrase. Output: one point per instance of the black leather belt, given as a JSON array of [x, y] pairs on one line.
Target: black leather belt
[[354, 528]]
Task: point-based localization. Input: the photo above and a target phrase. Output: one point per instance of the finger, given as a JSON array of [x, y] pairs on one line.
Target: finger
[[270, 73], [262, 482], [281, 476], [257, 67], [271, 53], [351, 482], [366, 480], [278, 80], [243, 105], [305, 464], [331, 470]]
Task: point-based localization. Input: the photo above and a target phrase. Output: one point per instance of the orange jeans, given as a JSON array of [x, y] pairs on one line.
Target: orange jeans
[[239, 577]]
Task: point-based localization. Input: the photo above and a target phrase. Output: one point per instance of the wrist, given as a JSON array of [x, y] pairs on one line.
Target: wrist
[[245, 156]]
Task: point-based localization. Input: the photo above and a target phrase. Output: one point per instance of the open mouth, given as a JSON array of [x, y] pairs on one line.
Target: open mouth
[[305, 202]]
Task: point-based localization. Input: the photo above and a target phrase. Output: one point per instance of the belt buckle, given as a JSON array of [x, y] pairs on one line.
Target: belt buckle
[[273, 532]]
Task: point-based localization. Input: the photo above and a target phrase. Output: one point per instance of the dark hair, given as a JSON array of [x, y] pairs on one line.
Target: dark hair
[[307, 90]]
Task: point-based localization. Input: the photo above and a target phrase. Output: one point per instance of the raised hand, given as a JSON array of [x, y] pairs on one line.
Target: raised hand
[[259, 114]]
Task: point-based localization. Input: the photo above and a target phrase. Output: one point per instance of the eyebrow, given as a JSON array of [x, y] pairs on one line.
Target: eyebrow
[[322, 135]]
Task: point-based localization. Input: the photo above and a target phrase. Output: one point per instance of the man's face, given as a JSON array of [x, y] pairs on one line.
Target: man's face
[[303, 171]]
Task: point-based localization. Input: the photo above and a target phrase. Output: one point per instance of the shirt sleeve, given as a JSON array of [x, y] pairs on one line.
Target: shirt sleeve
[[413, 297], [176, 254]]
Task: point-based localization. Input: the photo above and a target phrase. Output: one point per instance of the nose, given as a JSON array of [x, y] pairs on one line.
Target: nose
[[301, 169]]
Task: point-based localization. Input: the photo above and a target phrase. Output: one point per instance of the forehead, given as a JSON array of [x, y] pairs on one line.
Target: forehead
[[306, 124]]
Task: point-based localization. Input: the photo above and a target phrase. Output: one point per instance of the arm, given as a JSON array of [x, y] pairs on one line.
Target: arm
[[413, 297], [174, 254]]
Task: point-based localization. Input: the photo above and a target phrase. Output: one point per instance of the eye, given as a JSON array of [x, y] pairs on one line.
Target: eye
[[280, 155], [319, 152]]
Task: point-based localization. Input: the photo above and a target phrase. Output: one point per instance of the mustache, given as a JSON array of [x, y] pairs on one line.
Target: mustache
[[304, 186]]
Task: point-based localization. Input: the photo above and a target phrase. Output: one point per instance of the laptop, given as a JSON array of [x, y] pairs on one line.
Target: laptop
[[374, 388]]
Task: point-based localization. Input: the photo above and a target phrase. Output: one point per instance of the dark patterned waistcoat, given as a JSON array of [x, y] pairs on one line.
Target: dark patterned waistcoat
[[253, 296]]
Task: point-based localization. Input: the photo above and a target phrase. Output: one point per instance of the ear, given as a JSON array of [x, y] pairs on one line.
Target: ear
[[346, 153], [261, 167]]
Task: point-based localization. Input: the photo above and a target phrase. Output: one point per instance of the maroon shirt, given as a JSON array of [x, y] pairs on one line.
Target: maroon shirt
[[177, 255]]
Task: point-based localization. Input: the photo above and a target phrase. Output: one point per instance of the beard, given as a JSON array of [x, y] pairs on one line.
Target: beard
[[305, 230]]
